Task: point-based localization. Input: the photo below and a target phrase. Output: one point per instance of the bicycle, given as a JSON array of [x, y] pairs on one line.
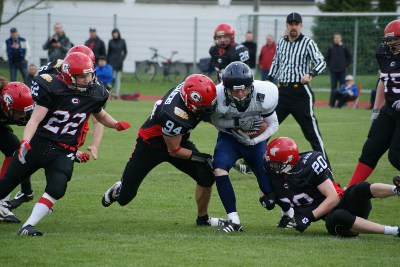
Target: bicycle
[[173, 71]]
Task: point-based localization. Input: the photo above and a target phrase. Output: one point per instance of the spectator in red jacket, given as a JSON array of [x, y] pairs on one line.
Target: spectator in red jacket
[[266, 55]]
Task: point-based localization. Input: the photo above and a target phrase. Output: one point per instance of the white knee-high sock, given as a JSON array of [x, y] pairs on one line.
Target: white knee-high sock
[[41, 208]]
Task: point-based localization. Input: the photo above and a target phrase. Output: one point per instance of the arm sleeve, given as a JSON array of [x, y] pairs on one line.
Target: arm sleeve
[[275, 63], [317, 58]]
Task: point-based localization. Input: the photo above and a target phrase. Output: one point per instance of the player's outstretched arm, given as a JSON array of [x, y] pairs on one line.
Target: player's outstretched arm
[[98, 131], [107, 120]]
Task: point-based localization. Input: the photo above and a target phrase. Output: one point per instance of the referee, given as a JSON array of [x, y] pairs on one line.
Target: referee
[[292, 67]]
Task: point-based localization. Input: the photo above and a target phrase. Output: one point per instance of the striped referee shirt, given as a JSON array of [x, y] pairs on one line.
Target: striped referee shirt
[[292, 59]]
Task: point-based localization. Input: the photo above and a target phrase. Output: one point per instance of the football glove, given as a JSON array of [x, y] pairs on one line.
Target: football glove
[[203, 158], [243, 138], [374, 115], [122, 125], [268, 202], [24, 146], [82, 157], [304, 221], [249, 123], [396, 105]]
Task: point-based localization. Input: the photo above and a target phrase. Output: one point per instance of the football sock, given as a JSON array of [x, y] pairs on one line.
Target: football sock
[[26, 186], [396, 191], [41, 208], [289, 213], [391, 230], [6, 162], [234, 217], [226, 193], [7, 198], [361, 173]]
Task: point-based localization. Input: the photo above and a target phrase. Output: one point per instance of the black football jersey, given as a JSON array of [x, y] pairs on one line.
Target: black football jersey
[[69, 110], [389, 66], [170, 117], [221, 58], [299, 189]]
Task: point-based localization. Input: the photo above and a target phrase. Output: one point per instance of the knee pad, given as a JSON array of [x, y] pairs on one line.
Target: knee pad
[[205, 177], [339, 222]]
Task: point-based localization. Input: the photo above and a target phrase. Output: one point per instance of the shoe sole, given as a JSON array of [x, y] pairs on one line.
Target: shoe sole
[[103, 199]]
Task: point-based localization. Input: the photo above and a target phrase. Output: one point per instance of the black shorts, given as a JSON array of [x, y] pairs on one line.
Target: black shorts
[[145, 158]]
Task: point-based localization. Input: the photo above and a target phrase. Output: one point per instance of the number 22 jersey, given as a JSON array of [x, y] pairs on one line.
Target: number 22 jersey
[[68, 109]]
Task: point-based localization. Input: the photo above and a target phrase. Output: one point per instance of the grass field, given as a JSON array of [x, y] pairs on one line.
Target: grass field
[[158, 227]]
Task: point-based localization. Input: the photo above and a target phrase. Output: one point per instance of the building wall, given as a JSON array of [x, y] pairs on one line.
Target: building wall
[[164, 26]]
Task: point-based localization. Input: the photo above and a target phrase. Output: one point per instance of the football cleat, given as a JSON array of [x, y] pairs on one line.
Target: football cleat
[[398, 231], [242, 167], [396, 182], [210, 221], [29, 230], [20, 198], [6, 214], [108, 198], [286, 222], [231, 227]]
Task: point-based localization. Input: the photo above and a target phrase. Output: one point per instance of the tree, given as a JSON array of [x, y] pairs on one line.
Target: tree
[[370, 29], [22, 7]]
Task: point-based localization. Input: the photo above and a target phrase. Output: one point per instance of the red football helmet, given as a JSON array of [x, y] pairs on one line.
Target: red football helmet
[[16, 100], [282, 154], [224, 29], [75, 64], [83, 49], [199, 93], [391, 36]]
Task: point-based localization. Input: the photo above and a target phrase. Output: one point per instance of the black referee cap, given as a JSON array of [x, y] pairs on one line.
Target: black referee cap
[[294, 17]]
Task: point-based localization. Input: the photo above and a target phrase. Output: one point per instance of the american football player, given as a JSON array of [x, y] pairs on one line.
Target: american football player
[[52, 134], [305, 182], [54, 67], [16, 106], [242, 104], [385, 117], [164, 137], [226, 50]]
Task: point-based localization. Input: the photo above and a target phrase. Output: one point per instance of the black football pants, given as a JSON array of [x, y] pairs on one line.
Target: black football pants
[[298, 99]]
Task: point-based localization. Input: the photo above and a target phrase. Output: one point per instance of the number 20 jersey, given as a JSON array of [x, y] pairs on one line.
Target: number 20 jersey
[[68, 109], [299, 188], [170, 117]]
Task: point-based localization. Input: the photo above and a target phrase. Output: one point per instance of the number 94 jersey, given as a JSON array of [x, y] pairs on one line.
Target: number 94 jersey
[[68, 110], [170, 117], [299, 189]]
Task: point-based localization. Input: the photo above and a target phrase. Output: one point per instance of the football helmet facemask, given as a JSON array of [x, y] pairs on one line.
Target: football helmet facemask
[[199, 94], [282, 154], [238, 76], [391, 38], [76, 64], [16, 100]]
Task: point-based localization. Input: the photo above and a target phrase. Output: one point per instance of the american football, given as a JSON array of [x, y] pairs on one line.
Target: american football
[[254, 133]]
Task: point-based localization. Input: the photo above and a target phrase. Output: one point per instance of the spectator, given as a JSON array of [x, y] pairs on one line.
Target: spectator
[[96, 44], [104, 72], [338, 59], [252, 47], [346, 92], [292, 67], [265, 58], [32, 70], [17, 51], [58, 44], [117, 52]]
